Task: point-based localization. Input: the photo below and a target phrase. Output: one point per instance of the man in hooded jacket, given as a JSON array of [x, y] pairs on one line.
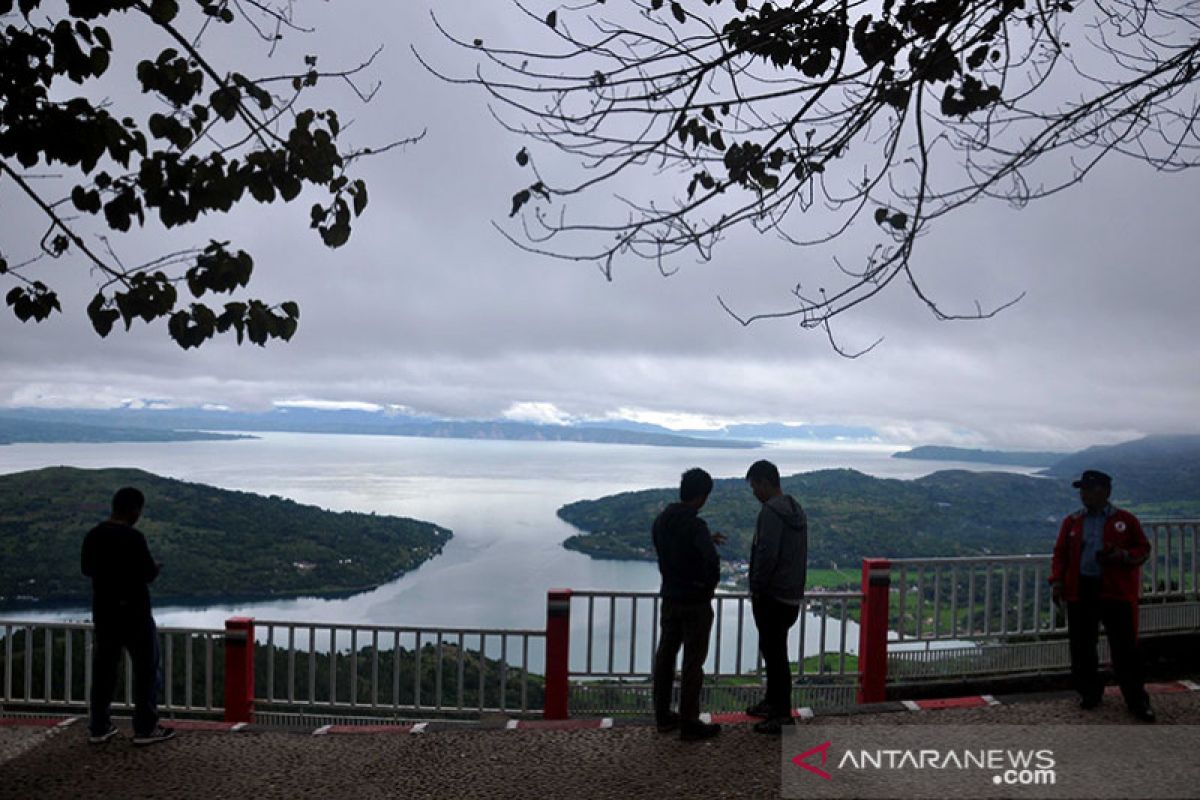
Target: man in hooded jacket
[[778, 569], [690, 568]]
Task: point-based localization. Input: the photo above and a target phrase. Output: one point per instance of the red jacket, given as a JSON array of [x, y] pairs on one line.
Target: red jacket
[[1118, 581]]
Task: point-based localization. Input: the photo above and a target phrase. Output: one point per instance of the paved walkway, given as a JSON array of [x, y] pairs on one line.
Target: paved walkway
[[626, 759]]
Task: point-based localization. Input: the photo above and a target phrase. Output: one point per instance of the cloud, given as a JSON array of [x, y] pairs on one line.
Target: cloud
[[428, 309], [536, 412], [329, 405]]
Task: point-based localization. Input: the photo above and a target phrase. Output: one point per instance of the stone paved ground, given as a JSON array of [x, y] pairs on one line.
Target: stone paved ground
[[621, 762]]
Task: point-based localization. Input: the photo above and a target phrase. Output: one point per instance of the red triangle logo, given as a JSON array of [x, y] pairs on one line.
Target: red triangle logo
[[822, 750]]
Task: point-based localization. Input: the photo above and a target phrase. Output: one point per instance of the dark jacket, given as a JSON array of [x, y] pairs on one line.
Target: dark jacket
[[779, 555], [116, 558], [687, 557], [1118, 581]]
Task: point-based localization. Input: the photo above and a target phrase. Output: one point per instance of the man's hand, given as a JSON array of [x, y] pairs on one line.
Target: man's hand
[[1056, 591], [718, 538], [1111, 554]]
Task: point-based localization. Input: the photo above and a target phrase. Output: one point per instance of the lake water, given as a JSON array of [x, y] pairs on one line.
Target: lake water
[[498, 497]]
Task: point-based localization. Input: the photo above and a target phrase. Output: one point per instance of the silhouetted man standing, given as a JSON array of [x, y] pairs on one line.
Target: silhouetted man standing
[[778, 568], [116, 558], [1097, 570], [691, 569]]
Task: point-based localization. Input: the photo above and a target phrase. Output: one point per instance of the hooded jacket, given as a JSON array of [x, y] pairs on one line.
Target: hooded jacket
[[687, 557], [116, 558], [779, 555]]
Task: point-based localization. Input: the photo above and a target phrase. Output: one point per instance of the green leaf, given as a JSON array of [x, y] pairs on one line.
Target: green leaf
[[335, 235], [102, 317], [519, 199], [163, 11], [360, 198], [225, 101]]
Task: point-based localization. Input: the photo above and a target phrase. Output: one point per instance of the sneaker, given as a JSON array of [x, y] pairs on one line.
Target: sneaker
[[159, 734], [103, 737], [696, 731], [773, 726], [761, 709], [668, 723]]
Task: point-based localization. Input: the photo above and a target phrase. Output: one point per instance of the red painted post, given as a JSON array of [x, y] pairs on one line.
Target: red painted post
[[239, 669], [558, 651], [873, 631]]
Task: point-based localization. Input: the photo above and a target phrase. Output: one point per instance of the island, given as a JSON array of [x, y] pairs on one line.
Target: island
[[948, 513], [216, 545], [1008, 458], [850, 515]]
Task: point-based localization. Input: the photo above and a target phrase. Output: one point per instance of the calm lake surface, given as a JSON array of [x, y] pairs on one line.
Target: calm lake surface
[[498, 497]]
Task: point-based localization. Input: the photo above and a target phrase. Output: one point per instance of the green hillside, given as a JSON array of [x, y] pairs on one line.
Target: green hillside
[[214, 544], [852, 515]]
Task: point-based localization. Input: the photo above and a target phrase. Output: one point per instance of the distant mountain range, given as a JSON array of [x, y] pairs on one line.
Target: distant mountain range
[[19, 430], [148, 424], [763, 432]]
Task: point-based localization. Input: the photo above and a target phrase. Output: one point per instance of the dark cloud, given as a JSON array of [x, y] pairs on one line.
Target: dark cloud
[[429, 307]]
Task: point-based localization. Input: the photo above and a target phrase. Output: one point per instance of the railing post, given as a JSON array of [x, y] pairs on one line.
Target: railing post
[[558, 650], [872, 630], [239, 669]]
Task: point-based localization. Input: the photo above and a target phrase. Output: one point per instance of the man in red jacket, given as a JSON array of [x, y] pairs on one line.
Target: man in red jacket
[[1097, 570]]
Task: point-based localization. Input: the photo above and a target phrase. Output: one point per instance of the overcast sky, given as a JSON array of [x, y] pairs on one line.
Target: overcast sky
[[429, 308]]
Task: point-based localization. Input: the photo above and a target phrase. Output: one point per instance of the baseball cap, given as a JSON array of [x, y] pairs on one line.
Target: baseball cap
[[1093, 477]]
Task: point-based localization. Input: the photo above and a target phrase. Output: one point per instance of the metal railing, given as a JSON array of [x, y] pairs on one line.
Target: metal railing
[[1173, 570], [615, 635], [944, 617], [377, 670], [972, 598], [49, 664], [995, 614]]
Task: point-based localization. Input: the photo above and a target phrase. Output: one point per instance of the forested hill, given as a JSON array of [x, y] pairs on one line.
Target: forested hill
[[852, 515], [1159, 470], [215, 544]]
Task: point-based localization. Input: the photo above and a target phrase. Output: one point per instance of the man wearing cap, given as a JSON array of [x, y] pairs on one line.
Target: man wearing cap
[[1096, 570]]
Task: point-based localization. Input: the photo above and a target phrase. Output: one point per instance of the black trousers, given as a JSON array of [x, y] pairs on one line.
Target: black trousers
[[1083, 619], [685, 625], [138, 635], [773, 620]]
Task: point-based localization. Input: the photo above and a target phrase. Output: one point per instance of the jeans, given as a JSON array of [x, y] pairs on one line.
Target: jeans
[[139, 636], [1083, 618], [773, 620], [685, 625]]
